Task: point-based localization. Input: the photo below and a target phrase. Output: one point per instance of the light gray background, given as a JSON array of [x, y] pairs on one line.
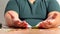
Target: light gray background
[[2, 8]]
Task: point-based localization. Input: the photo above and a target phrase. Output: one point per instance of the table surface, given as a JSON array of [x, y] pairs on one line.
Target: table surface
[[30, 31]]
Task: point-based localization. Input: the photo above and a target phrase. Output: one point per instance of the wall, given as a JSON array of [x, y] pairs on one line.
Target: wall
[[2, 8]]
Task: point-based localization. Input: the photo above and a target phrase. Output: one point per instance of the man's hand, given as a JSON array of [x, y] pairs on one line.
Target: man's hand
[[20, 24], [50, 22], [17, 22], [47, 24]]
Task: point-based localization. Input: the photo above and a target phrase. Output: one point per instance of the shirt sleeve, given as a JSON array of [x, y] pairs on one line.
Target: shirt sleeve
[[12, 5], [53, 5]]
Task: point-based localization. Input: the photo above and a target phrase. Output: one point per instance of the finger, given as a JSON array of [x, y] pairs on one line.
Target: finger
[[27, 24], [42, 24], [51, 20], [48, 24], [45, 24], [24, 22], [17, 24]]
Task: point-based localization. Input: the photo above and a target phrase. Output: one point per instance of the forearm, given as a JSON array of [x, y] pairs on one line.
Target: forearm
[[8, 17]]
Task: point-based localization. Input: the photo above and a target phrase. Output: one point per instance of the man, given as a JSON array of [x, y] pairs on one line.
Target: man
[[27, 13]]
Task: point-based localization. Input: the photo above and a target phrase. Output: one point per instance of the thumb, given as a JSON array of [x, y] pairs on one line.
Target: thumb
[[16, 19], [24, 22]]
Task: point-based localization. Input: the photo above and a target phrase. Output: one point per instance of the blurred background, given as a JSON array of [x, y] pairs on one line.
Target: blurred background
[[3, 4]]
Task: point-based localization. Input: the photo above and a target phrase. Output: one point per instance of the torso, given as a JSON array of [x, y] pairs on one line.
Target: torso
[[32, 13]]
